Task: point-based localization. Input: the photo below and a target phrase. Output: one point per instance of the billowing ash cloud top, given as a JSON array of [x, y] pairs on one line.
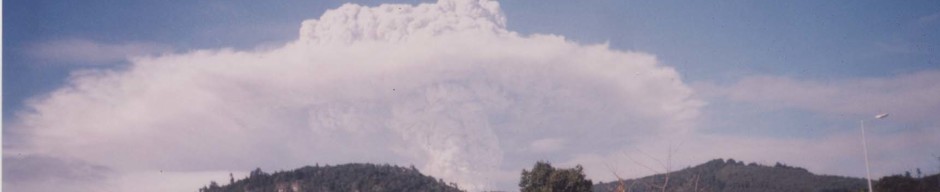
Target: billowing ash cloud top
[[390, 22], [443, 86]]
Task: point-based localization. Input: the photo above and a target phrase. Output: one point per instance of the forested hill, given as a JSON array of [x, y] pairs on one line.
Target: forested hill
[[347, 177], [730, 175]]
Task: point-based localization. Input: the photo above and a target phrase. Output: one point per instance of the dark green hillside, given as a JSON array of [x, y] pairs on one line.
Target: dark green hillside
[[721, 175], [348, 177], [907, 183]]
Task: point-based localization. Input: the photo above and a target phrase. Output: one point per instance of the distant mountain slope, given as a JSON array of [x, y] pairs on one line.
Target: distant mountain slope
[[720, 175], [347, 177]]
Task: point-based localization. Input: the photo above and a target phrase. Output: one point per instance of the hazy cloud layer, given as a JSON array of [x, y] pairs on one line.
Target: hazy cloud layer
[[47, 173], [908, 97], [442, 86], [86, 52], [904, 141]]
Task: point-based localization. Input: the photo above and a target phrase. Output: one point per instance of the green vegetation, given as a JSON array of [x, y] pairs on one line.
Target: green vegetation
[[731, 175], [348, 177], [713, 176], [907, 183], [545, 178]]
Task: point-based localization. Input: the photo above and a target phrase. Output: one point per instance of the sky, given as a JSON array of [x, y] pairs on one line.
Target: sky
[[168, 95]]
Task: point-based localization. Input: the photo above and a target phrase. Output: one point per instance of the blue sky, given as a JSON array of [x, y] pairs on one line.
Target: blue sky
[[770, 72], [726, 40]]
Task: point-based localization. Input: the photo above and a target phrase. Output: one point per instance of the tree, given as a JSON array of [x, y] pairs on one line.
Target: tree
[[348, 177], [213, 185], [545, 178], [256, 173], [897, 183]]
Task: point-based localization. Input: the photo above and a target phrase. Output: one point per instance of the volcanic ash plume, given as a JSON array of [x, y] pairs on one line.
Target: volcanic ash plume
[[444, 86]]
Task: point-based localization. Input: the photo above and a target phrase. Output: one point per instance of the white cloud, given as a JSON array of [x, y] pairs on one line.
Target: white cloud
[[443, 86], [86, 52]]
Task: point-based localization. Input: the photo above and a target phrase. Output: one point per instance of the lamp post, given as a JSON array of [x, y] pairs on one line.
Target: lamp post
[[865, 148]]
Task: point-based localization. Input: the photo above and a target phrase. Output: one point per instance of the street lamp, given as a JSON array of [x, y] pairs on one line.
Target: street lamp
[[865, 148]]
